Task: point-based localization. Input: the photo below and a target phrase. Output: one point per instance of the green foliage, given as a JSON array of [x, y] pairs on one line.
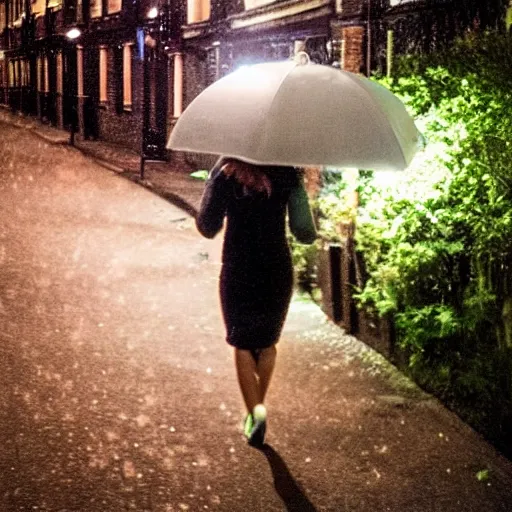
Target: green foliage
[[304, 264], [333, 205], [201, 174], [437, 243], [482, 475]]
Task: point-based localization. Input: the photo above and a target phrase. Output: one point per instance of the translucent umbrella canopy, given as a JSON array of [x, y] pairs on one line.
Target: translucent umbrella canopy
[[283, 113]]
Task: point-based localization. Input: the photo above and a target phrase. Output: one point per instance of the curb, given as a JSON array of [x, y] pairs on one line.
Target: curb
[[62, 138]]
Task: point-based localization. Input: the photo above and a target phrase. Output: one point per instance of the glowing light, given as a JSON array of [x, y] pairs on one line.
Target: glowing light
[[153, 13], [73, 33], [251, 77]]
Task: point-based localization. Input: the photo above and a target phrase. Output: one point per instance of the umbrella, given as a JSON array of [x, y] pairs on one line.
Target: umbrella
[[284, 113]]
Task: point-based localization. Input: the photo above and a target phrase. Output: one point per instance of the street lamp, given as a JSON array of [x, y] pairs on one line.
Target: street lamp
[[152, 13], [72, 35]]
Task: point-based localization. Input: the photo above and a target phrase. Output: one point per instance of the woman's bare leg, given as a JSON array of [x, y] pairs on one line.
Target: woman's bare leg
[[264, 369], [247, 378]]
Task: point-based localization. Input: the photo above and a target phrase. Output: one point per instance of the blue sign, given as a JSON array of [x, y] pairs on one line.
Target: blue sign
[[140, 42]]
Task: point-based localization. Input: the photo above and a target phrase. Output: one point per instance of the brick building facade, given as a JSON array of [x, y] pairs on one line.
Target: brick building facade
[[134, 66]]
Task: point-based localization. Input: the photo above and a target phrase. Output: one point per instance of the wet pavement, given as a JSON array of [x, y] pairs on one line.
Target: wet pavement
[[118, 391], [170, 180]]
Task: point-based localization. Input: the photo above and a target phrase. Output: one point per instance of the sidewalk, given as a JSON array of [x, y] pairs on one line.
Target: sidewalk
[[121, 391], [170, 180]]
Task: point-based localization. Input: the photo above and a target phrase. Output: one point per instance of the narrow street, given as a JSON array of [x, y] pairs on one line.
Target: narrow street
[[118, 391]]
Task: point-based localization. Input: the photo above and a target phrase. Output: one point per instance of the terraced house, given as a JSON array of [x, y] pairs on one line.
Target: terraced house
[[123, 70]]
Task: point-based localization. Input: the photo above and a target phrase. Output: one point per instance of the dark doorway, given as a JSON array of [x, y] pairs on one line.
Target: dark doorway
[[52, 94], [91, 93], [155, 105], [69, 104]]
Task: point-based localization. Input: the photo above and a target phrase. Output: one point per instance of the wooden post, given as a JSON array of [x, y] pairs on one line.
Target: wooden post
[[389, 54]]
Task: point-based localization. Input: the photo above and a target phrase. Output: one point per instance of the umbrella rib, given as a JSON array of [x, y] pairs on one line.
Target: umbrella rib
[[378, 107], [276, 94]]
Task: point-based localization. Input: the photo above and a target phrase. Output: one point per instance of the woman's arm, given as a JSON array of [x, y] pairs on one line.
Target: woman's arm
[[299, 215], [212, 210]]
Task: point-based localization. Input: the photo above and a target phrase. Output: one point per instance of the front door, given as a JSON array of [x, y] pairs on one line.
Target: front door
[[70, 90], [52, 95]]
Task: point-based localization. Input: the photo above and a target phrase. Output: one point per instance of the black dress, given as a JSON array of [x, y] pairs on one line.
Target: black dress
[[257, 275]]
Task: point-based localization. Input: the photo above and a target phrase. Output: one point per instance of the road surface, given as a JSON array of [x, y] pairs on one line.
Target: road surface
[[118, 391]]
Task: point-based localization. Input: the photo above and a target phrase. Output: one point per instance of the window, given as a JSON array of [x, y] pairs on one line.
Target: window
[[2, 16], [198, 10], [114, 6], [11, 74], [103, 75], [252, 4], [213, 64], [59, 73], [46, 75], [40, 77], [127, 76], [80, 70], [96, 8], [15, 11]]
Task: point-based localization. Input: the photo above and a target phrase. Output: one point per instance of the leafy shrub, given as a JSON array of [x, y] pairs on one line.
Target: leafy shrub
[[437, 241]]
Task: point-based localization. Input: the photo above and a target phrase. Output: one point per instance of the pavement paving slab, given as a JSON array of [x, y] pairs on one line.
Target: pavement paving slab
[[119, 392]]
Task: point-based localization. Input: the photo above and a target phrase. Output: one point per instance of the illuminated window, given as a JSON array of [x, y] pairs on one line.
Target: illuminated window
[[11, 73], [15, 10], [103, 75], [80, 70], [46, 76], [96, 8], [2, 17], [252, 4], [51, 4], [40, 77], [127, 76], [59, 73], [198, 10], [114, 6]]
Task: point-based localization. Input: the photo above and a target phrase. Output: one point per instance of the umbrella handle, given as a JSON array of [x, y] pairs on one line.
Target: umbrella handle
[[302, 58]]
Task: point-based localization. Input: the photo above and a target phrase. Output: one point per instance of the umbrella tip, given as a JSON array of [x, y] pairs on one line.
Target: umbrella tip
[[301, 58]]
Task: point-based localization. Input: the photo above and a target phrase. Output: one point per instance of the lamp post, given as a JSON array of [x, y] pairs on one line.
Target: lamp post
[[72, 35], [150, 45]]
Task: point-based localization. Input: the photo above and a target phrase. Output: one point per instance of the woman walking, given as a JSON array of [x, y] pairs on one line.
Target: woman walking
[[257, 275]]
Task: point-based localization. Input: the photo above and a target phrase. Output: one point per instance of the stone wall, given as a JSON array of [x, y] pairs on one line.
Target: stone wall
[[124, 128], [353, 58]]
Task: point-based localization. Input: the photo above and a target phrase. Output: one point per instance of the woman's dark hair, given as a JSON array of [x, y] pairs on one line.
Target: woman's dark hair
[[248, 175]]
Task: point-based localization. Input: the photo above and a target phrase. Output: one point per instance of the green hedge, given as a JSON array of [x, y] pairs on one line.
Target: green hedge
[[437, 239]]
